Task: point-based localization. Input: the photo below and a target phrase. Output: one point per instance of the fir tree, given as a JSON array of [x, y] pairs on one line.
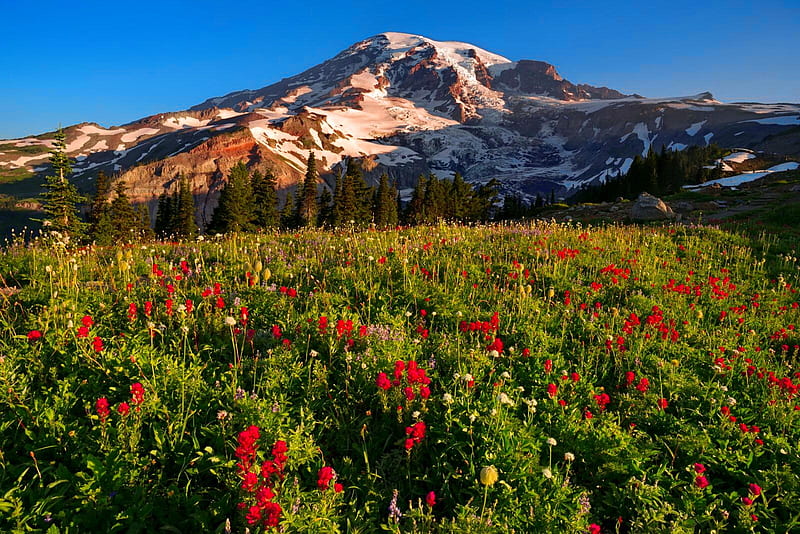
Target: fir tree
[[385, 204], [184, 223], [461, 199], [325, 208], [307, 197], [234, 212], [124, 219], [286, 215], [100, 227], [165, 215], [145, 229], [60, 200], [265, 200], [414, 210]]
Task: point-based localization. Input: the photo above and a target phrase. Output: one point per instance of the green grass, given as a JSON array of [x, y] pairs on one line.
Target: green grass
[[31, 150], [520, 329]]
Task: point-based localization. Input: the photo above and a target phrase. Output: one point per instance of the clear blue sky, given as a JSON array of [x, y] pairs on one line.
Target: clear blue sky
[[113, 62]]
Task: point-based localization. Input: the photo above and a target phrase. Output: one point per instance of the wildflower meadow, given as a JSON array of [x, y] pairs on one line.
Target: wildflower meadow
[[534, 377]]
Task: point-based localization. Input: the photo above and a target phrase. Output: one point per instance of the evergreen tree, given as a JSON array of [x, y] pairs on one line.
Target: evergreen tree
[[145, 229], [184, 222], [434, 206], [325, 208], [307, 196], [286, 215], [486, 196], [234, 212], [460, 199], [165, 215], [100, 227], [385, 204], [351, 200], [414, 211], [265, 199], [60, 200], [124, 219]]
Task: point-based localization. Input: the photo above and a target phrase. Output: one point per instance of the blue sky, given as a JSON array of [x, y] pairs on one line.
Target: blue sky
[[111, 62]]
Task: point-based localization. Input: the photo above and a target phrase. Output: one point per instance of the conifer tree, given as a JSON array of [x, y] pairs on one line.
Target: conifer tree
[[165, 215], [460, 199], [60, 200], [124, 219], [234, 212], [307, 195], [100, 227], [414, 211], [286, 215], [325, 208], [145, 229], [385, 204], [184, 223], [265, 200]]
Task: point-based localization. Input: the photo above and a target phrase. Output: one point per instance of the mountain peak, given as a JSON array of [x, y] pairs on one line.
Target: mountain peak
[[403, 42]]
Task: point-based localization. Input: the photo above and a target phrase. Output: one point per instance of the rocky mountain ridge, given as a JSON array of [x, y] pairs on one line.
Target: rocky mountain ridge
[[407, 105]]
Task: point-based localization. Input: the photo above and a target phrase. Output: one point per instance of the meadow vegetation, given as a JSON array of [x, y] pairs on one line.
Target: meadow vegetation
[[531, 377]]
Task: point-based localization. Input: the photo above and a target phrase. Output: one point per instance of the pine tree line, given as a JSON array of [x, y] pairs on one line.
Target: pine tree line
[[175, 214], [249, 202], [658, 174]]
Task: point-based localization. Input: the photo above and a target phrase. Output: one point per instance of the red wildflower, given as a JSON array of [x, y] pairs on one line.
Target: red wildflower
[[338, 488], [249, 481], [430, 499], [552, 390], [83, 332], [137, 393], [101, 407], [700, 481], [643, 385], [87, 321], [34, 335], [662, 403], [97, 344], [755, 489], [383, 381], [324, 477], [123, 408], [699, 468], [630, 376]]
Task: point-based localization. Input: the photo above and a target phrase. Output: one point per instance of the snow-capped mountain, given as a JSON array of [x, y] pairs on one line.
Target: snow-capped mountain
[[407, 105]]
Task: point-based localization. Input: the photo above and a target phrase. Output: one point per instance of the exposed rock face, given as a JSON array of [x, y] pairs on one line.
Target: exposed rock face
[[650, 208]]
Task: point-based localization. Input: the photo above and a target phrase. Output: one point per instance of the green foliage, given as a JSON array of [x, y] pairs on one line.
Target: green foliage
[[658, 174], [352, 199], [436, 200], [265, 200], [516, 332], [60, 200], [385, 204], [235, 210], [307, 195]]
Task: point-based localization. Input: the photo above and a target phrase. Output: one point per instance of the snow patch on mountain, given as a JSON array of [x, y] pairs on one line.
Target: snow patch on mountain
[[694, 128], [739, 179], [91, 129], [793, 120], [739, 157], [129, 137], [184, 122]]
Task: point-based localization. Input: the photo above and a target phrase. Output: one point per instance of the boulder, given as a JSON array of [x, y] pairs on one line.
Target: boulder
[[650, 208]]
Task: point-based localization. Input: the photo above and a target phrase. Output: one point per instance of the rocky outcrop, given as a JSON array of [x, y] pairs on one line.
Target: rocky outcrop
[[650, 208]]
